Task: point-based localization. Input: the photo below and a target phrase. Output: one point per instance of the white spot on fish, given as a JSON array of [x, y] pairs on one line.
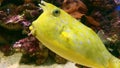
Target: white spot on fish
[[81, 42], [87, 33], [68, 30], [88, 41], [56, 28], [92, 37], [64, 22], [81, 35]]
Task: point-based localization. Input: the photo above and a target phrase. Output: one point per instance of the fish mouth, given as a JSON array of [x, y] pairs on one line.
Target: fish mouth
[[32, 31], [32, 27], [44, 6]]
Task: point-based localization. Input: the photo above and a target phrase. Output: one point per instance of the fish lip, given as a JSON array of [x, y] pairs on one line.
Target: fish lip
[[32, 31]]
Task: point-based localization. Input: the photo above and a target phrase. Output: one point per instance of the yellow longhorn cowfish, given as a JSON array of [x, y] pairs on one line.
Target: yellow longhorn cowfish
[[71, 39]]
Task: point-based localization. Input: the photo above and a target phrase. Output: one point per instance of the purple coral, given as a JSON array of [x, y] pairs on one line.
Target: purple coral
[[31, 48], [17, 19], [27, 45]]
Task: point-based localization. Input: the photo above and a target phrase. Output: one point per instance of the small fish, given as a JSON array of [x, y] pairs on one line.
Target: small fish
[[71, 39]]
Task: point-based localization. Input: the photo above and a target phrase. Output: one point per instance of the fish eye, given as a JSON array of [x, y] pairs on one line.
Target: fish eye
[[56, 12]]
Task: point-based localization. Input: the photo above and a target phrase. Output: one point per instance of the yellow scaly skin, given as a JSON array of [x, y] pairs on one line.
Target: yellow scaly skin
[[71, 39]]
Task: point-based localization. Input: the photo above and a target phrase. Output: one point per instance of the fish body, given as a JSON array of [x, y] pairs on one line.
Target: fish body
[[71, 39]]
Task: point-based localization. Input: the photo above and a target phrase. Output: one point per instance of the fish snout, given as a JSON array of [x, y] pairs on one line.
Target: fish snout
[[32, 30]]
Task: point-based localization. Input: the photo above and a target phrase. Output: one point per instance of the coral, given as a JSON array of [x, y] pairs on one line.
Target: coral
[[58, 59], [16, 16], [76, 8], [27, 45], [7, 50], [31, 48]]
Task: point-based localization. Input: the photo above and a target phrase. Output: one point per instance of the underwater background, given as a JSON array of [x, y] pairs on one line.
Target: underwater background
[[20, 49]]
